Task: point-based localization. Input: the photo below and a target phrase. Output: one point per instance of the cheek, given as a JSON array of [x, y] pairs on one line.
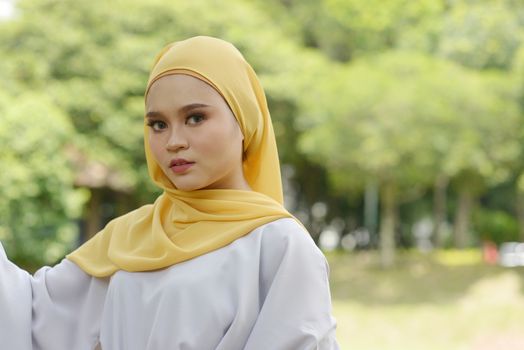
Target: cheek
[[155, 145], [221, 147], [231, 146], [212, 148]]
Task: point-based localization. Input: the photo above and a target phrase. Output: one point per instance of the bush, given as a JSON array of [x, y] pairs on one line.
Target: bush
[[495, 225]]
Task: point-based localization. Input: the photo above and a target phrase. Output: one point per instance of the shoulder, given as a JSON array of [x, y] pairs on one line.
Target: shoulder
[[288, 238], [286, 230], [288, 254]]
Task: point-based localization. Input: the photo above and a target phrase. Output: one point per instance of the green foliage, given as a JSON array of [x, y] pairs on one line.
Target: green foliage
[[483, 34], [345, 30], [495, 225], [38, 195], [406, 116], [366, 89]]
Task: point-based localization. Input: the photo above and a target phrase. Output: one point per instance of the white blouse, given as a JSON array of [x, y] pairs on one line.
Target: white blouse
[[265, 291]]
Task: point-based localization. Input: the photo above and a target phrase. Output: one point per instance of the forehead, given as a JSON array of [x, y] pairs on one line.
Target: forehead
[[180, 89]]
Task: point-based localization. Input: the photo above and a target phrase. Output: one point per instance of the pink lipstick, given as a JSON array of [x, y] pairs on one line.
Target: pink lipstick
[[180, 165]]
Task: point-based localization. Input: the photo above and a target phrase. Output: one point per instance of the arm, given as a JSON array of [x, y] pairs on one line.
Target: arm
[[295, 301], [59, 308], [15, 305]]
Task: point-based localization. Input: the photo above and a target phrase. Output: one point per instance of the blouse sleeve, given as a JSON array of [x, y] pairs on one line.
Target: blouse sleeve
[[295, 305], [58, 308]]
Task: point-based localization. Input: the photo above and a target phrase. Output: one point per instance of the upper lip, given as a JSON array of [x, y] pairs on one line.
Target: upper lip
[[179, 161]]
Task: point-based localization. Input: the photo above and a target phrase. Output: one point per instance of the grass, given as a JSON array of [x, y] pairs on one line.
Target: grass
[[440, 301]]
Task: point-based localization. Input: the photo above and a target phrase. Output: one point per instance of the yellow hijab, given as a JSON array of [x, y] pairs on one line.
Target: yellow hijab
[[182, 225]]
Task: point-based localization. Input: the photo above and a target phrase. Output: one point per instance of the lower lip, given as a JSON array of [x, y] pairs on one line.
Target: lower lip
[[177, 169]]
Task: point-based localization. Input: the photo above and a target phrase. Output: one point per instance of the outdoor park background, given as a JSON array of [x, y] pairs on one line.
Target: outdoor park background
[[400, 129]]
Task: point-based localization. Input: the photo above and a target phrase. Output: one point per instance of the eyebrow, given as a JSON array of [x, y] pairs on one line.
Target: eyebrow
[[185, 109]]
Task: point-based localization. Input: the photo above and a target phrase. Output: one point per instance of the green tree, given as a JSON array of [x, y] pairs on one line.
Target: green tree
[[482, 34], [369, 129], [345, 30], [39, 200], [403, 119]]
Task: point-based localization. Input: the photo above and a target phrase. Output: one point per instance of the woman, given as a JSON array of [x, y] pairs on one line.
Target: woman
[[215, 263]]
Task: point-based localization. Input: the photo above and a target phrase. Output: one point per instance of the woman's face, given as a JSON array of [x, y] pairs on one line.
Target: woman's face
[[193, 134]]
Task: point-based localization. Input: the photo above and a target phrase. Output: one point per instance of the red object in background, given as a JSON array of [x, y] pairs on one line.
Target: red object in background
[[490, 253]]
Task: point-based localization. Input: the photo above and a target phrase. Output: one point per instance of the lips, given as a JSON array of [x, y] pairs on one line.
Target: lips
[[180, 165]]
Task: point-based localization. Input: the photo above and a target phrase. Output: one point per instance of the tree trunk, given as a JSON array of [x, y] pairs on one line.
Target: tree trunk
[[123, 203], [93, 213], [371, 208], [462, 218], [520, 213], [439, 209], [387, 226]]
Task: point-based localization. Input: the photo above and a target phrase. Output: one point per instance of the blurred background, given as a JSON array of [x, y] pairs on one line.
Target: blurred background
[[400, 132]]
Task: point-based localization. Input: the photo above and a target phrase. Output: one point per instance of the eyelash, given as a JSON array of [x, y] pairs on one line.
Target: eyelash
[[153, 123], [200, 117]]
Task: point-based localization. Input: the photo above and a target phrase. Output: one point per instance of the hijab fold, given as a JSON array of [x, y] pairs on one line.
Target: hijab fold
[[182, 225]]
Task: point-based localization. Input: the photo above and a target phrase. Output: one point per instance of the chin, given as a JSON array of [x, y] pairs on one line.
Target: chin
[[187, 186]]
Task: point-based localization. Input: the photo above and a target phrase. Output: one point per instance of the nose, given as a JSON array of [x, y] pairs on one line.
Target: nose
[[177, 141]]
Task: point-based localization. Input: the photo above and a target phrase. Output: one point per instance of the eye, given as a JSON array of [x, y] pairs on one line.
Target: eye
[[194, 119], [156, 125]]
